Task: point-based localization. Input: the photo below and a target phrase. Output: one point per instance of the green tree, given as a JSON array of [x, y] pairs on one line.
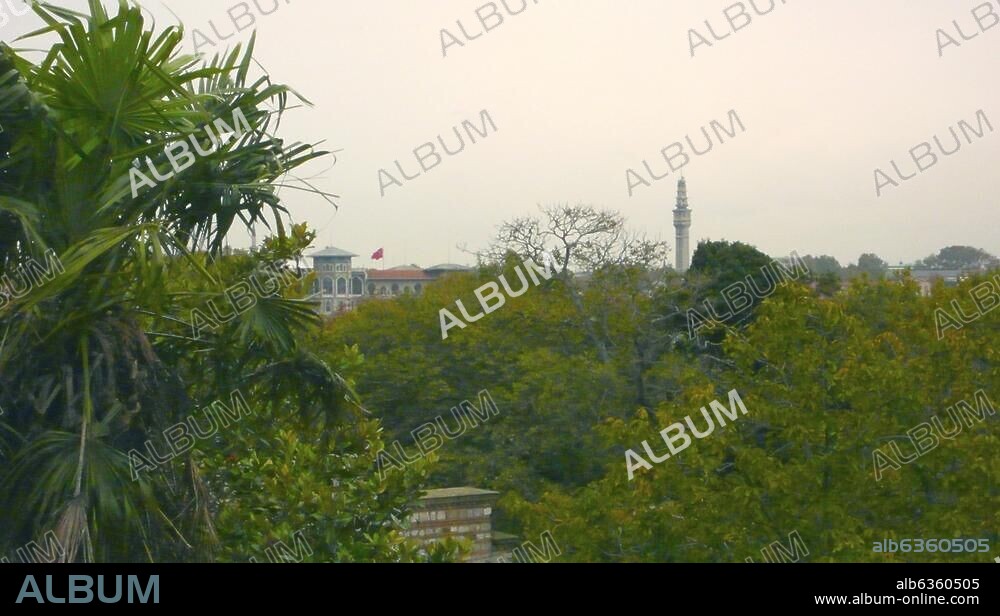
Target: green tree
[[960, 257], [101, 358], [872, 265], [828, 284], [823, 264], [544, 373], [715, 268], [802, 459], [727, 262]]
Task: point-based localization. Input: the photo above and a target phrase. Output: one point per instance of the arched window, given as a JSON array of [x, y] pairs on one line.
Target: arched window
[[341, 286], [371, 288], [417, 288], [407, 290], [383, 291], [356, 286], [395, 289], [327, 286]]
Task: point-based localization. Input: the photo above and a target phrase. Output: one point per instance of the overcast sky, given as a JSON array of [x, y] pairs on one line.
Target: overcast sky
[[582, 90]]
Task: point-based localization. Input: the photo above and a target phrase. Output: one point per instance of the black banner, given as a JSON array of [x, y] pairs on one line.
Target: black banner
[[377, 587]]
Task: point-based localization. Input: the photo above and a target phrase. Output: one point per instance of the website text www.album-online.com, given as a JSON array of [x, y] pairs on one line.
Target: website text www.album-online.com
[[921, 598]]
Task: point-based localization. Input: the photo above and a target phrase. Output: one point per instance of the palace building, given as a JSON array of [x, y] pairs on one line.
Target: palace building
[[340, 286]]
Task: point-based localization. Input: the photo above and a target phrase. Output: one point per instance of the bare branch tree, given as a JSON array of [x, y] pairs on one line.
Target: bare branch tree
[[580, 237]]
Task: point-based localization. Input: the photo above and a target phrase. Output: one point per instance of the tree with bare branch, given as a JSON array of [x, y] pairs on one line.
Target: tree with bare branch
[[580, 237]]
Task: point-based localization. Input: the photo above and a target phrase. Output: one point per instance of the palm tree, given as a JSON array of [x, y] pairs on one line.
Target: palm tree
[[90, 367]]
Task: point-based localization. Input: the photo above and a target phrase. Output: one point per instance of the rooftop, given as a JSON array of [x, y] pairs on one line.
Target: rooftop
[[398, 274], [330, 251], [929, 273], [456, 493], [450, 267]]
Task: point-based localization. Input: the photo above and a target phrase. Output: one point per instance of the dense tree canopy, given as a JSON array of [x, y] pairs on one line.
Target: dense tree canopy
[[824, 264], [872, 265], [133, 340], [828, 379], [166, 399], [960, 257]]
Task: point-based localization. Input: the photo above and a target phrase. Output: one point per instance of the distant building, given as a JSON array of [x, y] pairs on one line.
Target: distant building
[[446, 268], [402, 280], [340, 286], [464, 513], [926, 278]]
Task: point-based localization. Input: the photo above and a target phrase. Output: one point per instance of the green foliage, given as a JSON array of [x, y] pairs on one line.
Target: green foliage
[[273, 480], [827, 284], [727, 262], [824, 264], [715, 267], [106, 356], [825, 382], [289, 247], [102, 358], [872, 265], [585, 368], [960, 257], [411, 376]]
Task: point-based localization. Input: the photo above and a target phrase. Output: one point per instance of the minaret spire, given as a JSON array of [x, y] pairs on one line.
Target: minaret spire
[[682, 224]]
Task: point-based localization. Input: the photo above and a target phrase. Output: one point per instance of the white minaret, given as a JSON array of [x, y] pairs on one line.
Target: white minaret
[[682, 223]]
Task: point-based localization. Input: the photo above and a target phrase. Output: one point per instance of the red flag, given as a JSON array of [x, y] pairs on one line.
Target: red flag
[[378, 254]]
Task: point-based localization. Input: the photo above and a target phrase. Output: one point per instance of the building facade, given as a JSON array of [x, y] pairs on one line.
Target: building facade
[[461, 513], [403, 280], [926, 278], [340, 287]]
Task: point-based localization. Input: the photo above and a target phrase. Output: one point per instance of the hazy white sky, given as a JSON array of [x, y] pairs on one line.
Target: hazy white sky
[[582, 90]]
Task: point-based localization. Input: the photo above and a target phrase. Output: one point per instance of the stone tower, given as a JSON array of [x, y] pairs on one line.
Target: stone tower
[[682, 223]]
